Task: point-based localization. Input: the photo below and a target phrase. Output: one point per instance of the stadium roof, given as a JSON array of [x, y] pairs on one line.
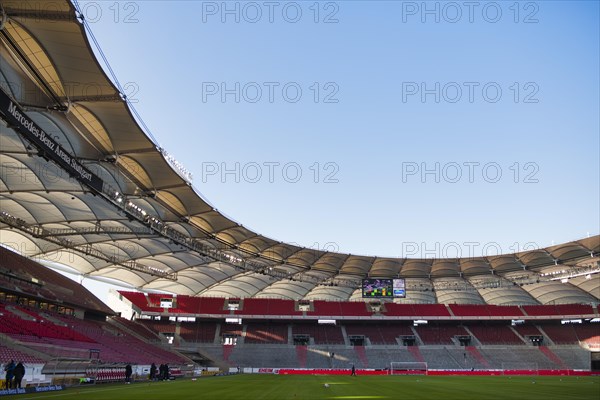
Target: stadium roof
[[122, 209]]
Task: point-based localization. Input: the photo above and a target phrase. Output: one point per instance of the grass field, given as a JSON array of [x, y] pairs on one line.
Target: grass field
[[303, 387]]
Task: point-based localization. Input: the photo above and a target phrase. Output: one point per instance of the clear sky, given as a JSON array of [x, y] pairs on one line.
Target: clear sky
[[415, 126]]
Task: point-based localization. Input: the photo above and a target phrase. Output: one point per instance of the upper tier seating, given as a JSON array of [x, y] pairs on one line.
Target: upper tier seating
[[320, 308], [574, 309], [138, 299], [325, 308], [416, 310], [258, 306], [181, 304], [476, 310], [560, 309]]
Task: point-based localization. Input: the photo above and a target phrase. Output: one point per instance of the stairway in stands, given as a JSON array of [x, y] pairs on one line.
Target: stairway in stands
[[478, 356], [20, 313], [301, 352], [362, 355], [416, 353], [553, 357], [227, 350]]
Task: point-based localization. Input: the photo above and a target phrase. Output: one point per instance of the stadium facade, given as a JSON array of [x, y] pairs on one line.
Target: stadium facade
[[83, 185]]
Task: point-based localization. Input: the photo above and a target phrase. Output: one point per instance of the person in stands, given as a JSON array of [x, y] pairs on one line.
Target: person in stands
[[19, 373], [128, 372], [10, 371]]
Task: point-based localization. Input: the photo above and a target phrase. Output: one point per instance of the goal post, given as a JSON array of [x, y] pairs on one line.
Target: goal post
[[520, 368], [408, 368]]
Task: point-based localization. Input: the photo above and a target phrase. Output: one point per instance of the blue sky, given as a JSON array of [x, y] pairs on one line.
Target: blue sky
[[370, 128]]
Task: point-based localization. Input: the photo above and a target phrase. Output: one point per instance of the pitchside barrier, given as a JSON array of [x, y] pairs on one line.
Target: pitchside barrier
[[32, 389], [520, 368], [324, 371], [437, 372], [408, 368]]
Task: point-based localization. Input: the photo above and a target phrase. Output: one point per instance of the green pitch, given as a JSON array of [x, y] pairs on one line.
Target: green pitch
[[290, 387]]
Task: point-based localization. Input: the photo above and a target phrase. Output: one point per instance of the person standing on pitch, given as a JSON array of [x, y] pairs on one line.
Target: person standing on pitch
[[10, 370], [19, 372], [353, 371], [128, 372], [153, 372], [166, 372]]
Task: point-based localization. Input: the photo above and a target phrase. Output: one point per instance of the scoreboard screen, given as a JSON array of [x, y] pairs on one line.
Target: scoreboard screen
[[383, 288], [376, 288]]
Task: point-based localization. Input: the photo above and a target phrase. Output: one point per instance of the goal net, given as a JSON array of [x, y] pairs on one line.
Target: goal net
[[520, 368], [408, 368]]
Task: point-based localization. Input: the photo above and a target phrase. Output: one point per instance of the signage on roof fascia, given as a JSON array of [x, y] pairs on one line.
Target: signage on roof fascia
[[50, 148]]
